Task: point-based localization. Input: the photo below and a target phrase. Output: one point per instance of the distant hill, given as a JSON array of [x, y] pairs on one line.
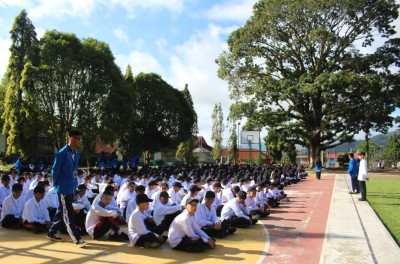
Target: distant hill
[[380, 140]]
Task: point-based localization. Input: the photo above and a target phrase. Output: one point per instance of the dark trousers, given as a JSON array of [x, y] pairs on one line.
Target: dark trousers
[[52, 212], [363, 190], [191, 245], [104, 226], [10, 221], [163, 226], [65, 215], [219, 210], [226, 229], [318, 174], [36, 227], [241, 222], [148, 239], [355, 184], [80, 219]]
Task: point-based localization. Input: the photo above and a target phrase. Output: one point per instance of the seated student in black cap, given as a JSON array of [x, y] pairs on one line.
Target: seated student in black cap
[[164, 213], [103, 223], [139, 234], [236, 213], [81, 207], [35, 216], [176, 193], [207, 219], [185, 234], [12, 208]]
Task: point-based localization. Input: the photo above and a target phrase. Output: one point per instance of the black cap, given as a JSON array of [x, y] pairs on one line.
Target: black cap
[[177, 184], [192, 200], [217, 184], [81, 187], [242, 195], [164, 194], [142, 198], [194, 188]]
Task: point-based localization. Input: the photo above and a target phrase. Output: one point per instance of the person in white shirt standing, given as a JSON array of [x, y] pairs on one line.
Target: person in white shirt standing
[[139, 234], [185, 234], [363, 176], [12, 208], [35, 216]]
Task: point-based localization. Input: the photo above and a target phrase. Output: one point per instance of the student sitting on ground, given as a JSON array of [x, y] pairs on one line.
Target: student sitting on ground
[[254, 209], [4, 188], [236, 213], [139, 189], [194, 193], [176, 193], [12, 208], [35, 216], [139, 235], [164, 213], [103, 223], [229, 194], [207, 219], [81, 207], [185, 234]]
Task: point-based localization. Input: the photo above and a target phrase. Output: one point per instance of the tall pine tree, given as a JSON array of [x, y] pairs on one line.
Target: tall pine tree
[[24, 50], [217, 130]]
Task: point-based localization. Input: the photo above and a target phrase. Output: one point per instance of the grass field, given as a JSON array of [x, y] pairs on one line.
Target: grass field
[[383, 193]]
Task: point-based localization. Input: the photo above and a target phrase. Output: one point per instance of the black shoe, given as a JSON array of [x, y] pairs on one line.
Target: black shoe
[[362, 199], [163, 239], [232, 230], [54, 238]]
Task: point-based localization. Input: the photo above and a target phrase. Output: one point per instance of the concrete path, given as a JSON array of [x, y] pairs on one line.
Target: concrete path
[[354, 233]]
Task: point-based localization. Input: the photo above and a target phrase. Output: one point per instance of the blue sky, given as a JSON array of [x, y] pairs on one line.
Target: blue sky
[[178, 39]]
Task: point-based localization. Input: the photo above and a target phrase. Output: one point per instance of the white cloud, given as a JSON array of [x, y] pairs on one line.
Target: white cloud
[[4, 54], [60, 8], [132, 5], [120, 34], [140, 62], [239, 10], [11, 3]]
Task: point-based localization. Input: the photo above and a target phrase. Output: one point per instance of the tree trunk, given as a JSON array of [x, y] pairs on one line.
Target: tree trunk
[[315, 154]]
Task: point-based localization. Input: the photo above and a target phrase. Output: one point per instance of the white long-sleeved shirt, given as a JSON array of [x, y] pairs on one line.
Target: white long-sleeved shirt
[[250, 203], [82, 203], [185, 225], [363, 170], [51, 198], [4, 192], [161, 210], [96, 211], [12, 206], [234, 208], [176, 197], [35, 211], [206, 216], [227, 195], [136, 226]]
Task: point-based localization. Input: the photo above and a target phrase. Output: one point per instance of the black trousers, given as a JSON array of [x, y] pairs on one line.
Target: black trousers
[[163, 226], [10, 221], [363, 189], [36, 227], [52, 212], [241, 222], [318, 173], [65, 215], [226, 229], [219, 210], [191, 245], [104, 226], [148, 239], [355, 184]]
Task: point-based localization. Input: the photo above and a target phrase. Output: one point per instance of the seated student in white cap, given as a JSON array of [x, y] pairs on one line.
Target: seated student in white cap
[[139, 234], [35, 216], [236, 213], [185, 234], [207, 219], [176, 193], [164, 213], [103, 223], [12, 208]]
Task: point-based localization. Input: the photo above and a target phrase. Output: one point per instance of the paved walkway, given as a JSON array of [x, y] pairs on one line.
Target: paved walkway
[[354, 232]]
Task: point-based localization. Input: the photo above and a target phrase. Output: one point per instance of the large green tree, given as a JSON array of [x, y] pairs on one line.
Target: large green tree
[[392, 149], [292, 66], [233, 144], [19, 124], [72, 85]]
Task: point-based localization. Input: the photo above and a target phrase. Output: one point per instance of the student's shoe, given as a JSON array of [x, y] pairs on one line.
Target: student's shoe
[[54, 238], [81, 243], [232, 230], [163, 239], [361, 199], [123, 236]]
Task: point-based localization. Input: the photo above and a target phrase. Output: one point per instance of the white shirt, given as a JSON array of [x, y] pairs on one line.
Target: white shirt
[[35, 211], [250, 203], [363, 170], [206, 216], [234, 208], [187, 196], [12, 206], [227, 195], [130, 208], [185, 225], [176, 197], [51, 198], [124, 197], [4, 192], [161, 210], [136, 226], [96, 211], [82, 203]]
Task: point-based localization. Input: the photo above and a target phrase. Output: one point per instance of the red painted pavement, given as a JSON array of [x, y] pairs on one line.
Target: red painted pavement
[[297, 228]]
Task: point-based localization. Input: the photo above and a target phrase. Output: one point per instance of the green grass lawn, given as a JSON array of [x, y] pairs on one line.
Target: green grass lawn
[[383, 193]]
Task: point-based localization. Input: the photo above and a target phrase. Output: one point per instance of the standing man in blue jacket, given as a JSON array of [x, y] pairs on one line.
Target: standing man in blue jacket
[[353, 172], [63, 171]]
